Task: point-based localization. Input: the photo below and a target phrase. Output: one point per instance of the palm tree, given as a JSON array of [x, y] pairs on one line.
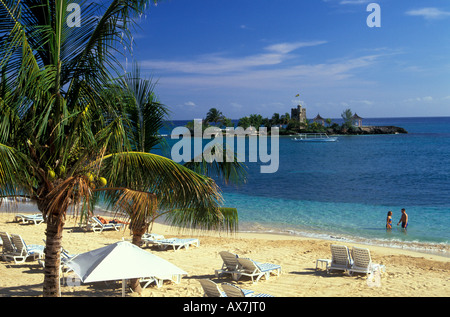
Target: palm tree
[[285, 118], [66, 128], [214, 116], [347, 116]]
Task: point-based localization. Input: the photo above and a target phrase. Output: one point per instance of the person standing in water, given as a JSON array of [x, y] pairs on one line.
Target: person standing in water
[[389, 220], [403, 219]]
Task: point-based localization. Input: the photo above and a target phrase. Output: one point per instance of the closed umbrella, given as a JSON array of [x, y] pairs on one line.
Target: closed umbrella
[[120, 261]]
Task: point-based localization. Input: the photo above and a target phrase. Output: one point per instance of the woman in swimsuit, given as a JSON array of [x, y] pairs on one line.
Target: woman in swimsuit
[[389, 220]]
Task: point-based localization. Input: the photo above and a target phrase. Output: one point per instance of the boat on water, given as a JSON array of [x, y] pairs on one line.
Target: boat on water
[[314, 137]]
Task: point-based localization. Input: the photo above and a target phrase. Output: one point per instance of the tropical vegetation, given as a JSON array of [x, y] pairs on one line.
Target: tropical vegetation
[[76, 131], [285, 123]]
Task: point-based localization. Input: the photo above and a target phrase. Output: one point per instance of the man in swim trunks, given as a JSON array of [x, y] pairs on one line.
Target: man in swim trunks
[[403, 219]]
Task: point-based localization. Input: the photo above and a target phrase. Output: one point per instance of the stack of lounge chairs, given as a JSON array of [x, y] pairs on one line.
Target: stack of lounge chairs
[[238, 267], [356, 260], [14, 248]]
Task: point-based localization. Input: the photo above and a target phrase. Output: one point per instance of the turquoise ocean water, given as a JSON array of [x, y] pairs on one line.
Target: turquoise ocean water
[[343, 190]]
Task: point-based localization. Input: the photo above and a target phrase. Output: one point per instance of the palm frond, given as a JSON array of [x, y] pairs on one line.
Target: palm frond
[[217, 161], [224, 218], [174, 185], [14, 178], [138, 206], [145, 112]]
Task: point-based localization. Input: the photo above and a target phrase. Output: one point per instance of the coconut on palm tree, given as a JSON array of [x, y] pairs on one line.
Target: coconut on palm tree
[[70, 130]]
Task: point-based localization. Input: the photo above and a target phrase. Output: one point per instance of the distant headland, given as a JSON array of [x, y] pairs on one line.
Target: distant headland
[[297, 122]]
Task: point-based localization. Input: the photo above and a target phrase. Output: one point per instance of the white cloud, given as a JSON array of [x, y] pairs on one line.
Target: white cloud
[[344, 2], [429, 13], [419, 99], [354, 1], [190, 104], [236, 105], [214, 63], [285, 48], [275, 77], [207, 75]]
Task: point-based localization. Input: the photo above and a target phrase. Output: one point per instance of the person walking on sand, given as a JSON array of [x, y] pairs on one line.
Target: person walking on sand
[[389, 220], [403, 219]]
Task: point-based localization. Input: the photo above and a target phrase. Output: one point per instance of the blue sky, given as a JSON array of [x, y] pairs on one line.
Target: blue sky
[[255, 56]]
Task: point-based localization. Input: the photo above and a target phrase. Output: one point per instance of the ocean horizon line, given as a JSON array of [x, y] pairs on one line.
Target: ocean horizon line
[[368, 118]]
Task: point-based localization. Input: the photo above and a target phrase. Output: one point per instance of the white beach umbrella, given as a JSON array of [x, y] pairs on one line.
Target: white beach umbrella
[[120, 261]]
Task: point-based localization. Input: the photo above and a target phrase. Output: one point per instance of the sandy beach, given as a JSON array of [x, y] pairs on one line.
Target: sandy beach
[[408, 274]]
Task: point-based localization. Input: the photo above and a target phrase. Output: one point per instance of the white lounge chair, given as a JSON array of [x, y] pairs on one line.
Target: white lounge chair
[[151, 238], [234, 291], [362, 262], [177, 243], [211, 289], [340, 258], [159, 280], [97, 226], [149, 280], [35, 218], [23, 251], [8, 246], [230, 264], [255, 270], [65, 257]]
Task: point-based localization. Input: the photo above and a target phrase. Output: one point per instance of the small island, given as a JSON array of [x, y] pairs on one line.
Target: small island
[[352, 125], [297, 122]]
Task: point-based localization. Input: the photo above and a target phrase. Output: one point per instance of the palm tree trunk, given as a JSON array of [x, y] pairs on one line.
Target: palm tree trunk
[[138, 231], [51, 287]]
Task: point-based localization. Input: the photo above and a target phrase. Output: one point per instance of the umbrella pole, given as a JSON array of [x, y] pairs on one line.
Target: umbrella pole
[[124, 283]]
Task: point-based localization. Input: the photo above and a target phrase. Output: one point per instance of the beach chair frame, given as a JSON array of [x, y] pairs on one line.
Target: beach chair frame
[[159, 281], [340, 258], [211, 289], [230, 264], [255, 270], [96, 225], [235, 291], [35, 218], [8, 247], [23, 251], [151, 238], [362, 262], [177, 243]]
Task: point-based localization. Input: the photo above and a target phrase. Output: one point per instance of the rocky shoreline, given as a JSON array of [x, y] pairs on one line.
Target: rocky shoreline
[[368, 130]]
